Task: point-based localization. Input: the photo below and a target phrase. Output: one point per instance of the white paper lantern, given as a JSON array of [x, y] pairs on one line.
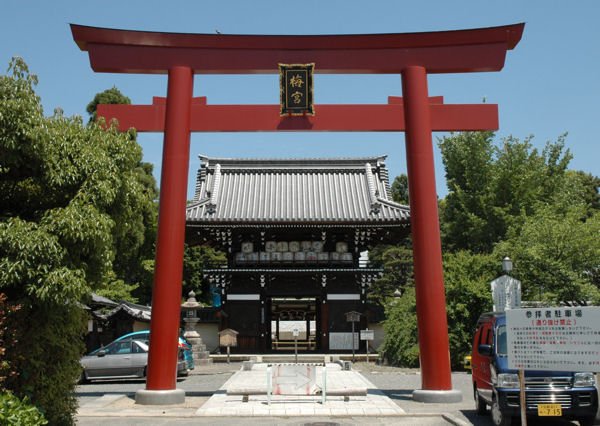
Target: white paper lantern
[[317, 246], [264, 257], [341, 247], [276, 257]]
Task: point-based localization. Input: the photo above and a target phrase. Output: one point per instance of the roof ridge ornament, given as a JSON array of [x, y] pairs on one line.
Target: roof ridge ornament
[[214, 192], [373, 193]]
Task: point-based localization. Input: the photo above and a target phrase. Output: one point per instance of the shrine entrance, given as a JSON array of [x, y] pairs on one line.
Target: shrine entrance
[[294, 324], [413, 56]]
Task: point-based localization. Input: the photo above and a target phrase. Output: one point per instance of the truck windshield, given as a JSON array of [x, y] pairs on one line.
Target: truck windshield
[[501, 344]]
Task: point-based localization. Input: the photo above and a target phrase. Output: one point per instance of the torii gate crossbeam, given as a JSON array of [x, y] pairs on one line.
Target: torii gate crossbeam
[[412, 55], [330, 118]]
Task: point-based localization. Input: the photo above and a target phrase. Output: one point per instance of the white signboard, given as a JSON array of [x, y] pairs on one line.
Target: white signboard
[[342, 341], [294, 379], [367, 334], [558, 339], [506, 293]]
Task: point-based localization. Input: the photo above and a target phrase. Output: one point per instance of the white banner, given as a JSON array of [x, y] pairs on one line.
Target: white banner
[[506, 293]]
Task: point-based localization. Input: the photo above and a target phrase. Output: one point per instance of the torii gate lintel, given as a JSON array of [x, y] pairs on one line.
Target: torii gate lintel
[[329, 118]]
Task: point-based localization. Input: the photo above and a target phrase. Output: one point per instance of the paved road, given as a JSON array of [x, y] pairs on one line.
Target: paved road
[[396, 383], [203, 382]]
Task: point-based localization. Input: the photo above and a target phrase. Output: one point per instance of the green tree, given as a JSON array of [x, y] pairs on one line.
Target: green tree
[[400, 190], [467, 280], [581, 187], [135, 214], [401, 345], [506, 199], [8, 337], [397, 263], [492, 188], [556, 254], [195, 260], [63, 188], [109, 96], [468, 160]]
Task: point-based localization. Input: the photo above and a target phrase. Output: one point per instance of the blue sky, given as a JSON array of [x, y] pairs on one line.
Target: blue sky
[[550, 84]]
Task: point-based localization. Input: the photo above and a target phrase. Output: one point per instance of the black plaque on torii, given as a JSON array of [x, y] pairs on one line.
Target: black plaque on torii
[[296, 89]]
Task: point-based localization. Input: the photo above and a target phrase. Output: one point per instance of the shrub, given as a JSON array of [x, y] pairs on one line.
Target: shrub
[[17, 412], [400, 346], [47, 358]]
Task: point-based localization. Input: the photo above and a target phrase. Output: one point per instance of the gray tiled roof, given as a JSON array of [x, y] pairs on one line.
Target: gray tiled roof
[[139, 312], [343, 190]]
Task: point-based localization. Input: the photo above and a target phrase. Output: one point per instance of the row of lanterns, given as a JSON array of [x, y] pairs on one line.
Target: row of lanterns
[[294, 246], [293, 252]]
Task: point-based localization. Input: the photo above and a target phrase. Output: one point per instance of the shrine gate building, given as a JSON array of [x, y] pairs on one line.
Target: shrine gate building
[[296, 233]]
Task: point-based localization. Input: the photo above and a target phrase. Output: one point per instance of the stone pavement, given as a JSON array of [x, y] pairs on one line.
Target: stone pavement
[[374, 403], [373, 408]]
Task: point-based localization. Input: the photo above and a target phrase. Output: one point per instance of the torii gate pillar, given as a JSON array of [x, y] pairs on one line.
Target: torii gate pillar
[[427, 248], [413, 55], [166, 292]]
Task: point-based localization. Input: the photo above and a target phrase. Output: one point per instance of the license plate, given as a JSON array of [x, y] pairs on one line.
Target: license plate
[[549, 410]]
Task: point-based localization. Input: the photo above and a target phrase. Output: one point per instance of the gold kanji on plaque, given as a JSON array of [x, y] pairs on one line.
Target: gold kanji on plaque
[[296, 89]]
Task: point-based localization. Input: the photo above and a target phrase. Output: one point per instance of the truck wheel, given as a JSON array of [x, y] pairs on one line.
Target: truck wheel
[[586, 421], [498, 417], [480, 404]]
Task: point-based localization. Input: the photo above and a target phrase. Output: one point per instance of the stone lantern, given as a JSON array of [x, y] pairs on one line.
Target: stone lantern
[[191, 329]]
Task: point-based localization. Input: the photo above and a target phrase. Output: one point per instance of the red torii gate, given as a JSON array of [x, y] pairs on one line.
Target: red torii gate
[[413, 55]]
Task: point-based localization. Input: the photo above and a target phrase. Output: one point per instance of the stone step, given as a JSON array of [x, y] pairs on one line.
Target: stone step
[[198, 345], [202, 355]]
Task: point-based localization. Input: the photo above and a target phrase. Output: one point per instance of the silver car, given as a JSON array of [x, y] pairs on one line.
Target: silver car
[[123, 359]]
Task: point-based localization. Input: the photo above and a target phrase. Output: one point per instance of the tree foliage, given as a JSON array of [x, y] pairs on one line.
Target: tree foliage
[[195, 260], [15, 411], [8, 338], [135, 214], [491, 188], [504, 198], [400, 189], [110, 96], [401, 346], [467, 278], [72, 203], [397, 262], [557, 255]]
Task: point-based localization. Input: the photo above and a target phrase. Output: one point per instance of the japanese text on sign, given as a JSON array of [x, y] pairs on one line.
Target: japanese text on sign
[[558, 339], [296, 87]]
